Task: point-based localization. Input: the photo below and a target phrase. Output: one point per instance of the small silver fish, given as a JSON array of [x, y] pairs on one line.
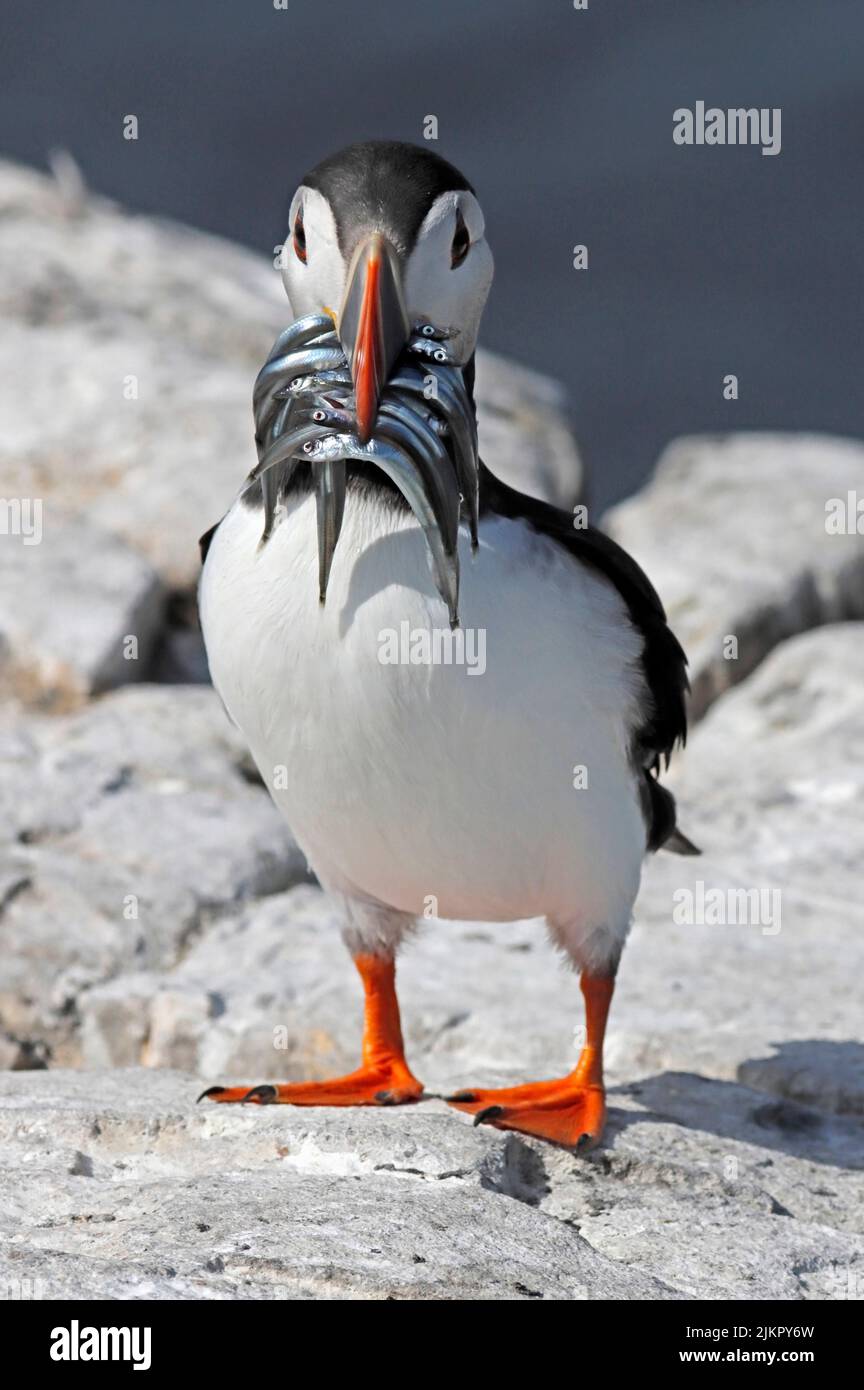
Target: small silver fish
[[280, 370], [400, 468], [429, 330], [305, 413], [401, 426], [454, 409], [330, 485], [299, 385], [427, 347], [301, 332], [278, 465]]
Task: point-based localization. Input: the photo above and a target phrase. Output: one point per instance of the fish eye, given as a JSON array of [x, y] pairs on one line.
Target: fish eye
[[461, 244], [299, 237]]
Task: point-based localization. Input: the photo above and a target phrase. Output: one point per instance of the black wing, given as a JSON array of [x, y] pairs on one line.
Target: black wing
[[204, 541], [663, 659]]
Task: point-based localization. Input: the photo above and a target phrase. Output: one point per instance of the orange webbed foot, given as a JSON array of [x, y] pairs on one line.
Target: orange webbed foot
[[570, 1111], [391, 1085], [565, 1111], [383, 1078]]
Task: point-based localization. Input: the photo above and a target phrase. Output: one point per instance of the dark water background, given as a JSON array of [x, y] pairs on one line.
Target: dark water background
[[703, 261]]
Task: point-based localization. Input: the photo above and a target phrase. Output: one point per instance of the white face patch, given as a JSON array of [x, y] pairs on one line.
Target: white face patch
[[450, 296], [435, 290], [318, 284]]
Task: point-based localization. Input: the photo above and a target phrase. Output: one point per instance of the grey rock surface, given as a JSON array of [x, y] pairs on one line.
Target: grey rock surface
[[116, 1185], [79, 613], [133, 1192], [735, 536], [523, 430], [772, 788], [125, 827]]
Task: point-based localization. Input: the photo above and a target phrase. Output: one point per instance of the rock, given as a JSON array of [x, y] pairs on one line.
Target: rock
[[115, 1020], [21, 1054], [226, 1204], [294, 1008], [698, 1189], [523, 430], [827, 1076], [732, 532], [126, 827], [148, 337], [121, 1187], [772, 788], [92, 262], [154, 468], [71, 608]]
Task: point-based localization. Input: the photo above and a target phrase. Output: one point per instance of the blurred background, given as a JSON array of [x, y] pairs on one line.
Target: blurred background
[[702, 261]]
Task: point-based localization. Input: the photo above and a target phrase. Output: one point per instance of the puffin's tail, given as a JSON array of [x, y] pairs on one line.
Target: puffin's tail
[[679, 844], [663, 833]]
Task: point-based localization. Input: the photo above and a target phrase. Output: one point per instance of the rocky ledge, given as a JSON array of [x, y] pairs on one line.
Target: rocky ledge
[[159, 930]]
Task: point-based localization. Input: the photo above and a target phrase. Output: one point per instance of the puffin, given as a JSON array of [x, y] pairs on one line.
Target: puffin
[[526, 786]]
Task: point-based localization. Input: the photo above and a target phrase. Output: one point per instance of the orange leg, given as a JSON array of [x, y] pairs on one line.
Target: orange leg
[[571, 1111], [383, 1077]]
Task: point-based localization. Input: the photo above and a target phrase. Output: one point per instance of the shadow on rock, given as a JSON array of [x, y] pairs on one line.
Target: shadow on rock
[[763, 1117], [825, 1075]]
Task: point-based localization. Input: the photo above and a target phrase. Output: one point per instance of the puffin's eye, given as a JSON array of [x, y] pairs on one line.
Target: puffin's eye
[[299, 237], [461, 243]]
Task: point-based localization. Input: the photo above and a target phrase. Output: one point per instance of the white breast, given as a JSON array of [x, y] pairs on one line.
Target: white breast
[[424, 786]]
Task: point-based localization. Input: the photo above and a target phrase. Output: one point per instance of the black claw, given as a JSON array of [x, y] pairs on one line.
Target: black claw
[[584, 1141], [265, 1095], [211, 1091], [462, 1096], [384, 1097], [492, 1112]]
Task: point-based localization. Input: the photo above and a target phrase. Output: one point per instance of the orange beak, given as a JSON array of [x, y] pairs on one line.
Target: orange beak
[[373, 325]]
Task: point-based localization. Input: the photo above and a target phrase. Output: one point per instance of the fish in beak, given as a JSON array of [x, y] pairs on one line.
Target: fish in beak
[[373, 325], [333, 395]]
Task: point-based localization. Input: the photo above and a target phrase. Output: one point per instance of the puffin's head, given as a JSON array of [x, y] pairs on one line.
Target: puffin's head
[[384, 236]]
